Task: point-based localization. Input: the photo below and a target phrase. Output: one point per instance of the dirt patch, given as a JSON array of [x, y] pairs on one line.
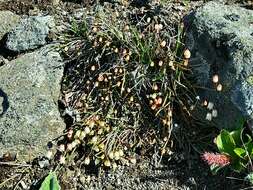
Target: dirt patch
[[31, 7]]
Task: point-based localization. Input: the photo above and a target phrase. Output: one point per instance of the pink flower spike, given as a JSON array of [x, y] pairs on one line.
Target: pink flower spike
[[217, 159]]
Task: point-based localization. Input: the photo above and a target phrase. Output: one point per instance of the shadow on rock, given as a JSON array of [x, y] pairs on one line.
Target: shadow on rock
[[5, 103]]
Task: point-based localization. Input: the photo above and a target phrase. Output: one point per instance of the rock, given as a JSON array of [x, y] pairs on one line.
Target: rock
[[8, 21], [3, 60], [220, 38], [30, 86], [43, 163], [30, 33], [1, 103]]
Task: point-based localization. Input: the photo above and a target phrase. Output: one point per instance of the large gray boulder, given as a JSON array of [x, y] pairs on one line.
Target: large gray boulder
[[8, 21], [29, 91], [220, 38], [30, 33]]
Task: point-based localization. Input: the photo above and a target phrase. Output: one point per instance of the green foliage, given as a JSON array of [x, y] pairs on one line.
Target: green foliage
[[50, 182], [238, 145]]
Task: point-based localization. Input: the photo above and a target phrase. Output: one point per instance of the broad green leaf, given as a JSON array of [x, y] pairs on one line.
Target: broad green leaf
[[240, 152], [50, 182], [236, 135], [226, 143]]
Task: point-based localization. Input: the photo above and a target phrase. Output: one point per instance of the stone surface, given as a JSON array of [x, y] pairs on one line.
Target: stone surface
[[30, 33], [220, 38], [29, 89], [8, 21]]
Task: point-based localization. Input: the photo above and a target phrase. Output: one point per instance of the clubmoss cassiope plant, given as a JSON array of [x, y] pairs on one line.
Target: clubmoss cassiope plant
[[124, 78]]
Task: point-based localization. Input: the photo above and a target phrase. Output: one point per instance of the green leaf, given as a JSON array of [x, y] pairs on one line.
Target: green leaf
[[249, 148], [215, 168], [238, 166], [240, 152], [50, 182], [236, 135], [226, 143]]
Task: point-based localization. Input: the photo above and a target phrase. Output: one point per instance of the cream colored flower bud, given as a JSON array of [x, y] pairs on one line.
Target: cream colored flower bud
[[101, 146], [215, 78], [116, 50], [94, 139], [209, 116], [116, 155], [111, 155], [102, 156], [210, 105], [126, 28], [187, 54], [160, 63], [219, 87], [214, 113], [107, 163], [87, 130], [91, 124], [95, 29], [133, 160], [96, 149], [127, 58], [163, 44], [93, 68], [121, 153], [87, 161], [205, 103], [101, 123]]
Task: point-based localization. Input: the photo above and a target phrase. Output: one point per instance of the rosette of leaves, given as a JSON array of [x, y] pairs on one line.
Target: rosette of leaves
[[238, 146]]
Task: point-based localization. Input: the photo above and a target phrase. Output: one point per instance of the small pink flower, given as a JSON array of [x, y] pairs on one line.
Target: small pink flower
[[218, 159]]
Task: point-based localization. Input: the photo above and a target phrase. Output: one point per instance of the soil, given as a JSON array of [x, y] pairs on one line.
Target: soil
[[184, 169]]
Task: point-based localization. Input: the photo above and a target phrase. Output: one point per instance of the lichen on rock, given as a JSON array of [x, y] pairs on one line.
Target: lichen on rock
[[30, 33], [220, 38], [31, 84]]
